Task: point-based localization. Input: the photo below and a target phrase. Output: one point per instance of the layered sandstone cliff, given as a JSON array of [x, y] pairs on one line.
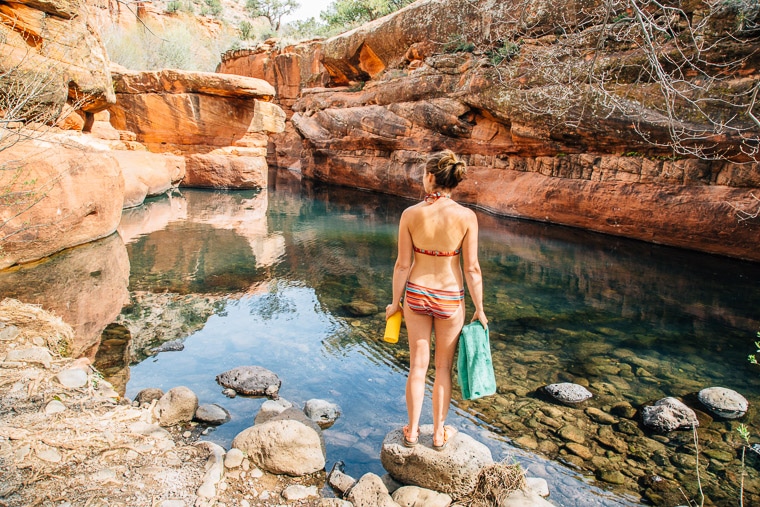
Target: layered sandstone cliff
[[524, 104]]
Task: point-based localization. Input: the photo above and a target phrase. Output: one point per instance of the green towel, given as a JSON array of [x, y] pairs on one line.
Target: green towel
[[476, 376]]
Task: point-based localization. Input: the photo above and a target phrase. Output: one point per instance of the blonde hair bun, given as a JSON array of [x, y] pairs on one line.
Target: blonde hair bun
[[447, 168]]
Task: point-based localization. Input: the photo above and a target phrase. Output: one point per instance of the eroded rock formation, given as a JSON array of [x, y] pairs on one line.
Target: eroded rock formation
[[540, 143]]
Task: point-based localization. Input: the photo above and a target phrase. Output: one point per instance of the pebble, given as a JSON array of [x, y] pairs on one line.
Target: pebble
[[54, 407], [234, 458]]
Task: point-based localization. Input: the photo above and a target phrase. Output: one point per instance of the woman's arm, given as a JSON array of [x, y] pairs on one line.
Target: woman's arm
[[403, 264], [472, 273]]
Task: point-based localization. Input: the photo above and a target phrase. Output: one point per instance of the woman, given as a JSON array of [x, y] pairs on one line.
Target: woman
[[433, 235]]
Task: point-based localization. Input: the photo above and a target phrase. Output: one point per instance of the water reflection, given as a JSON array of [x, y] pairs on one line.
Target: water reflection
[[86, 286]]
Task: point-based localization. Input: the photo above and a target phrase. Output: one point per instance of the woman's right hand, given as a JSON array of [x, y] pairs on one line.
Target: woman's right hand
[[391, 309], [481, 316]]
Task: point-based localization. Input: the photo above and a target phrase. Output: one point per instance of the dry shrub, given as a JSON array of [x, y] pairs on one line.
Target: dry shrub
[[34, 322], [494, 484]]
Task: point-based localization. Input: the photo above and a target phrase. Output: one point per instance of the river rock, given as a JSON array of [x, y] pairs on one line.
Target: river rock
[[369, 491], [282, 447], [72, 378], [360, 308], [177, 405], [413, 496], [322, 412], [340, 481], [212, 414], [725, 403], [567, 392], [251, 381], [270, 409], [146, 396], [669, 414], [452, 471]]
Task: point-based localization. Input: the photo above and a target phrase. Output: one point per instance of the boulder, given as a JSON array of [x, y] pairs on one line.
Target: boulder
[[282, 447], [322, 412], [369, 491], [146, 396], [723, 402], [212, 414], [223, 171], [251, 381], [270, 409], [568, 393], [413, 496], [452, 471], [148, 174], [525, 498], [77, 199], [669, 414], [176, 406]]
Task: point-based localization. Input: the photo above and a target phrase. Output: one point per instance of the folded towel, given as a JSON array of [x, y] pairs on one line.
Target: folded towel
[[475, 369]]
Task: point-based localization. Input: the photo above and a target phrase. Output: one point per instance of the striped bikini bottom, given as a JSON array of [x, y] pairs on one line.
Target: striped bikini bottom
[[440, 304]]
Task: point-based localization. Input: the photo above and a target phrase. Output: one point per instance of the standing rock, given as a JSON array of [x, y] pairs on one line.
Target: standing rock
[[567, 392], [177, 405], [723, 402], [322, 412], [669, 414], [282, 447], [369, 491], [251, 381], [453, 471]]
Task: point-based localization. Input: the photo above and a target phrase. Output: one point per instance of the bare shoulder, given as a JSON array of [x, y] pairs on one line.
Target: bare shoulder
[[466, 213]]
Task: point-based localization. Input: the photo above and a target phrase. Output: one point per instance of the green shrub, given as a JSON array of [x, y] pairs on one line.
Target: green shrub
[[458, 44], [503, 53]]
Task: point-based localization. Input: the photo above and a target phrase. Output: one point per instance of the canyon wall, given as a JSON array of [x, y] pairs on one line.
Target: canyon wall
[[500, 84]]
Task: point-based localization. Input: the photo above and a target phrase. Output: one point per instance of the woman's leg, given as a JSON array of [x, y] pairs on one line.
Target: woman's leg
[[418, 327], [446, 339]]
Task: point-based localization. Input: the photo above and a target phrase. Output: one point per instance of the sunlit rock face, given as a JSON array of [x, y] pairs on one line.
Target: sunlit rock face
[[376, 101], [218, 123], [55, 198], [54, 47], [86, 286]]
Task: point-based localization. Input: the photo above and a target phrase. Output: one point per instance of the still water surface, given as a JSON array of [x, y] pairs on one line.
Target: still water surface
[[246, 278]]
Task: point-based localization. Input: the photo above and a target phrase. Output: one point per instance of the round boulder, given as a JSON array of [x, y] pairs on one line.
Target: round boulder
[[567, 392], [669, 414], [282, 447], [176, 406], [453, 471], [146, 396], [251, 381], [723, 402]]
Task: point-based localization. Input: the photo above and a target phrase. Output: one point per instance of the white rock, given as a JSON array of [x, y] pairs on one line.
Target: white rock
[[413, 496], [49, 454], [234, 458], [538, 485], [370, 490], [567, 392], [105, 475], [299, 492], [72, 378], [31, 355], [723, 402], [54, 407], [270, 409]]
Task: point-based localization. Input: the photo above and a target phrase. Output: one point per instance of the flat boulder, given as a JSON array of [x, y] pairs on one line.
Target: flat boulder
[[568, 393], [453, 471], [282, 447], [723, 402], [212, 414], [669, 414], [251, 381]]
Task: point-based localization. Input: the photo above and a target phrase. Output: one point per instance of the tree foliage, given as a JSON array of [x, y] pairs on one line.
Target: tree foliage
[[273, 10], [346, 14]]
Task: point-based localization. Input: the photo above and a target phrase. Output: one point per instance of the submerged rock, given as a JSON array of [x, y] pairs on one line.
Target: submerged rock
[[567, 392], [251, 381], [723, 402], [669, 414], [322, 412]]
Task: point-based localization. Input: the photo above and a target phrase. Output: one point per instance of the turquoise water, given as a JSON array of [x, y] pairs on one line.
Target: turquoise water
[[246, 278]]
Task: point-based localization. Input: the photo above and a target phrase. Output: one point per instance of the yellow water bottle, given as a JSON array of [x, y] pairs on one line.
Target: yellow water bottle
[[393, 327]]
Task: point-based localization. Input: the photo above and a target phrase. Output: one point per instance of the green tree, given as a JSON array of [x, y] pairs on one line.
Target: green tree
[[273, 10], [350, 13]]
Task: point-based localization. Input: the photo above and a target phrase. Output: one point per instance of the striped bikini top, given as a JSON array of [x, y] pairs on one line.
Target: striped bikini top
[[437, 253]]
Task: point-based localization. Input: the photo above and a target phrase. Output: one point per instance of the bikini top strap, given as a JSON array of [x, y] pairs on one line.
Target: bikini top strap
[[437, 253]]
